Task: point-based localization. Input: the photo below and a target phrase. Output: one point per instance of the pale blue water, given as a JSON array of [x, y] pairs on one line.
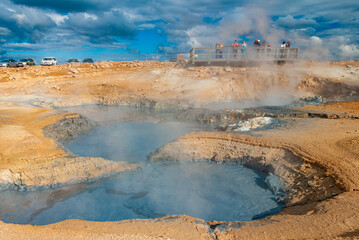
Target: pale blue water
[[202, 189]]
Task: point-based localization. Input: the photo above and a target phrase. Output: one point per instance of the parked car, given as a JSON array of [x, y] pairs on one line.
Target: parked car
[[72, 60], [4, 63], [27, 61], [13, 63], [48, 61], [88, 60]]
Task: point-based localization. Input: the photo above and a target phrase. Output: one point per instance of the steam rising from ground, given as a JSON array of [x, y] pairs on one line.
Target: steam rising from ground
[[253, 22], [253, 123], [201, 189]]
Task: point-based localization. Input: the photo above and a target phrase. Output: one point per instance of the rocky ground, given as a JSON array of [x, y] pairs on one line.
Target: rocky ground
[[315, 150], [165, 85]]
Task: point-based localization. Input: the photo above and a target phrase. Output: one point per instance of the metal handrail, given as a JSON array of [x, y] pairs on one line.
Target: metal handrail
[[240, 54]]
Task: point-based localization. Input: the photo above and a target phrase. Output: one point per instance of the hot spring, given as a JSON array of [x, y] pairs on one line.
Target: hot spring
[[202, 189]]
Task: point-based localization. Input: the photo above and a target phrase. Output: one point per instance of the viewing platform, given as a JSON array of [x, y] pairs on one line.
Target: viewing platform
[[241, 56]]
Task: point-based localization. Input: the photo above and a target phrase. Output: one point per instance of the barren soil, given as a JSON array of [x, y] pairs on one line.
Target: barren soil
[[320, 153]]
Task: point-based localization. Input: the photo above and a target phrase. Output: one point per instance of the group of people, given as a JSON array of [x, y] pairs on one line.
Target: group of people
[[242, 46], [219, 48], [236, 45], [284, 44], [257, 43]]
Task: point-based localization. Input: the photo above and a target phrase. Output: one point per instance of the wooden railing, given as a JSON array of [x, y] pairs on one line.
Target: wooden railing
[[238, 54]]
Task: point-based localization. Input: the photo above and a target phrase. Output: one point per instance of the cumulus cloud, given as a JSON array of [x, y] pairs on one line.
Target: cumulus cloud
[[67, 5], [314, 49], [102, 28], [4, 31], [22, 23], [181, 25], [246, 22], [57, 18], [316, 41], [290, 22], [349, 51]]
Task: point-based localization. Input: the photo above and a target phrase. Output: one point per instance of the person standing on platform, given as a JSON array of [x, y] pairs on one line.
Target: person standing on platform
[[220, 50], [217, 50], [235, 48], [282, 50], [244, 45]]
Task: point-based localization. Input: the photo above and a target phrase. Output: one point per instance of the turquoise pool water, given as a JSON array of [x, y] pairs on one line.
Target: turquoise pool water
[[200, 189]]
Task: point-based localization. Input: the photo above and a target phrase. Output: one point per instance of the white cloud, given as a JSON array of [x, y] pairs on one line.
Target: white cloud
[[11, 10], [327, 27], [19, 45], [249, 22], [349, 51], [57, 18], [290, 22], [202, 35], [90, 16], [316, 41], [4, 31], [19, 18], [146, 26], [132, 15]]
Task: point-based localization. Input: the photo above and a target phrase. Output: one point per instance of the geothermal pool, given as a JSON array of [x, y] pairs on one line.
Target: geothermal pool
[[200, 189]]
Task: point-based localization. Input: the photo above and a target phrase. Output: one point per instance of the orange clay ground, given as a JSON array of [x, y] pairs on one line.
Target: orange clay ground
[[29, 97]]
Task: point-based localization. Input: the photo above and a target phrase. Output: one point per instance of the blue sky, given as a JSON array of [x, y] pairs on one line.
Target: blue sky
[[160, 29]]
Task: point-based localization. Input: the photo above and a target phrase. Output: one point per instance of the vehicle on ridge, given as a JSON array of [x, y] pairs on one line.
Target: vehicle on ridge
[[27, 62], [4, 63], [88, 60], [72, 60], [48, 61], [13, 63]]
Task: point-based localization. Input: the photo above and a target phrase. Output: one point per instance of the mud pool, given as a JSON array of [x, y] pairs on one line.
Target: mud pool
[[200, 189]]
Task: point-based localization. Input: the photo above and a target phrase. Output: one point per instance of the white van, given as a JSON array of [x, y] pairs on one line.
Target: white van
[[48, 61]]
